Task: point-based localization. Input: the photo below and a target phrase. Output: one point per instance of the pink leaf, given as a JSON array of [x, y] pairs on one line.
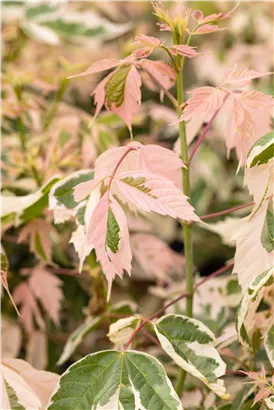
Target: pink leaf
[[113, 262], [219, 16], [155, 257], [46, 287], [29, 308], [150, 192], [82, 190], [99, 94], [184, 50], [132, 98], [161, 161], [255, 99], [204, 101], [32, 231], [197, 15], [208, 28], [32, 387], [241, 76], [161, 71], [98, 66], [147, 45]]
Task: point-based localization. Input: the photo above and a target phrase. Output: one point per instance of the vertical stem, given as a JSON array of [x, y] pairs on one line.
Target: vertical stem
[[59, 94], [187, 192]]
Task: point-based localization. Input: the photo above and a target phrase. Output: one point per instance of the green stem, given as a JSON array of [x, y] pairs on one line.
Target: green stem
[[58, 97], [186, 189]]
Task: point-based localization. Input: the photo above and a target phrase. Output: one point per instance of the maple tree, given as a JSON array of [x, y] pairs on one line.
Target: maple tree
[[207, 327]]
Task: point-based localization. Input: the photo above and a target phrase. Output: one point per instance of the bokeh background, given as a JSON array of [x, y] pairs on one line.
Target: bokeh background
[[47, 130]]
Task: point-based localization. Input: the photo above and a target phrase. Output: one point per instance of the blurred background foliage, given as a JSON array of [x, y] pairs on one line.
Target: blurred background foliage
[[47, 129]]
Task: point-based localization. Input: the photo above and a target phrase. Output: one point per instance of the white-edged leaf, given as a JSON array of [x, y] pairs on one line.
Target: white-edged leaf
[[19, 209], [61, 198], [191, 345], [121, 331], [262, 151], [115, 380], [269, 344], [245, 317], [77, 337]]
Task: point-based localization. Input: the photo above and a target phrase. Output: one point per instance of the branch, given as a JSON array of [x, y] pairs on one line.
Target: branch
[[203, 133], [183, 295]]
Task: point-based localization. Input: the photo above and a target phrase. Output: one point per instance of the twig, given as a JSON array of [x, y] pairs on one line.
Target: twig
[[183, 295], [203, 133]]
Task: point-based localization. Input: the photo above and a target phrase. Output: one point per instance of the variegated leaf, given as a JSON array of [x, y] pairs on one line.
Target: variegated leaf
[[250, 301], [115, 380], [191, 345], [269, 344]]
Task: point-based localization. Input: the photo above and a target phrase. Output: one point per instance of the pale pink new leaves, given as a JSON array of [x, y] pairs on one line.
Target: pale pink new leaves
[[147, 178], [113, 263]]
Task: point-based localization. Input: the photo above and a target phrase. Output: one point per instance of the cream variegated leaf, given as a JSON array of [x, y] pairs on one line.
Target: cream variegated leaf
[[111, 379], [191, 345], [245, 318], [269, 343], [121, 331]]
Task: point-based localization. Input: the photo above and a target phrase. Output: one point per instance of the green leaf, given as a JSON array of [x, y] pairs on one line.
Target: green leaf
[[242, 396], [115, 380], [63, 191], [262, 151], [269, 344], [113, 230], [13, 399], [191, 345], [69, 29], [77, 337], [115, 87], [267, 235], [249, 304]]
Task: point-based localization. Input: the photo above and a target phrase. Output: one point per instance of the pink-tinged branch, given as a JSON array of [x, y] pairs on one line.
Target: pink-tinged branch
[[172, 302], [118, 164], [203, 133]]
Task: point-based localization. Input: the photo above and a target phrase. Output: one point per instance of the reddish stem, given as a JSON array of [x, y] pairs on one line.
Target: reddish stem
[[203, 133], [151, 337], [183, 295], [118, 164]]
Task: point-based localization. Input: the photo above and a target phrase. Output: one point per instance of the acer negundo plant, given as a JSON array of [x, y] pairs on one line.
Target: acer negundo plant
[[149, 178]]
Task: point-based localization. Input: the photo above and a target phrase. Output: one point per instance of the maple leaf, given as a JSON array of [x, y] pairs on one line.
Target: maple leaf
[[46, 288], [25, 387], [155, 257], [150, 192], [204, 101], [146, 45], [207, 29], [120, 92], [29, 308], [241, 76], [184, 50], [160, 71], [99, 66], [108, 234], [40, 245]]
